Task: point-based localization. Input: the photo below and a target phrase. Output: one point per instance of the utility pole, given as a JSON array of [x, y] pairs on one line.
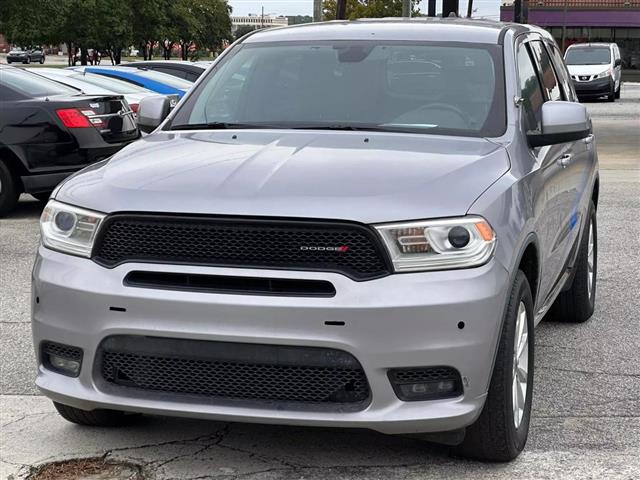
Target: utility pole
[[431, 8], [449, 7], [262, 18], [317, 10], [406, 8], [341, 10], [517, 11], [564, 27]]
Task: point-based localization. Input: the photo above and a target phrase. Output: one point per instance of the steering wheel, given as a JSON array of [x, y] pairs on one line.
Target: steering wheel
[[450, 108]]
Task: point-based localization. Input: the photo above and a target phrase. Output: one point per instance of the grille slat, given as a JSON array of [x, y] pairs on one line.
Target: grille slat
[[232, 371], [295, 245]]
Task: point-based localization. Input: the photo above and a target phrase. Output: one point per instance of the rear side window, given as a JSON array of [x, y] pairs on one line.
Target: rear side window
[[563, 74], [530, 91], [547, 74], [32, 85]]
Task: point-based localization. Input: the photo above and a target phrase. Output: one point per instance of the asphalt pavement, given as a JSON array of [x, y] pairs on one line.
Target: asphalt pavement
[[586, 409]]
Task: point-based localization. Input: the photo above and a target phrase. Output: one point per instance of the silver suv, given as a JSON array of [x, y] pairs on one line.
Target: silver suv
[[351, 224]]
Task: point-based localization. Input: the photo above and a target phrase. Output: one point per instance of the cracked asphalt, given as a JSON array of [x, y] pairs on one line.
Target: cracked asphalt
[[586, 409]]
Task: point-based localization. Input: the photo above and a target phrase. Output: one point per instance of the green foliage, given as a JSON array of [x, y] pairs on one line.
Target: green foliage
[[112, 25], [368, 8], [298, 19], [243, 30]]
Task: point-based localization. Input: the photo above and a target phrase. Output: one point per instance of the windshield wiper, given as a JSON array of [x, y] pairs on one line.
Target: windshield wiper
[[218, 126], [340, 126]]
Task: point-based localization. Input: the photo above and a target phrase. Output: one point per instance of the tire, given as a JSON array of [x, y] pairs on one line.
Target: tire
[[612, 96], [8, 62], [93, 418], [42, 60], [617, 95], [28, 60], [42, 196], [9, 192], [576, 304], [496, 435]]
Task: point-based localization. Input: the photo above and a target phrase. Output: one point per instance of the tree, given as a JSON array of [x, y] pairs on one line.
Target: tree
[[243, 30], [368, 9], [150, 23], [202, 24], [36, 28]]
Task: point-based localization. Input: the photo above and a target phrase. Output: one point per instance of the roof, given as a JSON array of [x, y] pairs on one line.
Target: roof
[[418, 29]]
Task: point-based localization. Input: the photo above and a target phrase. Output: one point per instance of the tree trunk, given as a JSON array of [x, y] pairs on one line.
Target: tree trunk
[[145, 54], [69, 54], [83, 55], [117, 55]]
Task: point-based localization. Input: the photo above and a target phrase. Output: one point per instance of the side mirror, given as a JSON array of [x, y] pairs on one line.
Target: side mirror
[[618, 62], [152, 111], [562, 122]]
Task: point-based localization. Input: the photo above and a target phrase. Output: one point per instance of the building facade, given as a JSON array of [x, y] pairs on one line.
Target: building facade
[[257, 21], [587, 21]]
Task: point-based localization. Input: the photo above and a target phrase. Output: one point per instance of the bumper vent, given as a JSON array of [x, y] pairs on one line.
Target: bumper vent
[[425, 383], [233, 372], [351, 249]]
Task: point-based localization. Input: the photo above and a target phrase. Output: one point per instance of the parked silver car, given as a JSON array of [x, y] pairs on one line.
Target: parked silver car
[[351, 224]]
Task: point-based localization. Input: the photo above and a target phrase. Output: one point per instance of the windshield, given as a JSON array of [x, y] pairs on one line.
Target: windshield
[[33, 85], [425, 87], [113, 84], [166, 79], [588, 56]]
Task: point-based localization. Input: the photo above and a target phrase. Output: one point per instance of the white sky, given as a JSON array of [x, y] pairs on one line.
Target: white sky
[[486, 8]]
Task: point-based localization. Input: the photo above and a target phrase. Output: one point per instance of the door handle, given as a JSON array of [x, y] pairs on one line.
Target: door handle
[[564, 160], [588, 139]]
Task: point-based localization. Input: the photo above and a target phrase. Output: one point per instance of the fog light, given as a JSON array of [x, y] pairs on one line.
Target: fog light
[[69, 366], [426, 383], [442, 388]]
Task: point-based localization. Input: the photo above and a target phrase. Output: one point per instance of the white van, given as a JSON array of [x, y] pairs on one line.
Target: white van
[[596, 69]]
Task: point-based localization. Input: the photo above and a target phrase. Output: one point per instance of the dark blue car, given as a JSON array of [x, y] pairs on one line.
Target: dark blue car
[[155, 81]]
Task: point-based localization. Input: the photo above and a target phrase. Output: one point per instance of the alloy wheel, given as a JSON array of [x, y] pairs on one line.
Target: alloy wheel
[[590, 261], [520, 365]]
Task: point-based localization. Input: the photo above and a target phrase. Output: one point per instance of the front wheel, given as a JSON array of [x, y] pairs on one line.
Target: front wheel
[[501, 431], [93, 418], [618, 91], [42, 60], [28, 60]]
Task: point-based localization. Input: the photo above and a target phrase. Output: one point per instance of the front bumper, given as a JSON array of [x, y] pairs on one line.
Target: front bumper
[[399, 321], [594, 88]]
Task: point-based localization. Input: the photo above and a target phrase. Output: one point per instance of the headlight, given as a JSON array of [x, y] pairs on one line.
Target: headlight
[[439, 244], [69, 229], [606, 73]]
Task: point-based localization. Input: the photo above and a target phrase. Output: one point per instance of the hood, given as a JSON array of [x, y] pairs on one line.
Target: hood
[[587, 69], [370, 178]]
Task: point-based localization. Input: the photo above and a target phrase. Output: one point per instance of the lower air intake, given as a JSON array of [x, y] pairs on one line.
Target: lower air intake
[[221, 371]]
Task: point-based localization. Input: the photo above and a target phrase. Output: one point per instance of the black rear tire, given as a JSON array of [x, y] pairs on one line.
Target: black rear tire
[[42, 60], [93, 418], [494, 436], [576, 305], [9, 192]]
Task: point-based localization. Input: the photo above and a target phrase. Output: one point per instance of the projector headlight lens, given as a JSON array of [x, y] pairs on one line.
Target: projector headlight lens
[[69, 229], [439, 244]]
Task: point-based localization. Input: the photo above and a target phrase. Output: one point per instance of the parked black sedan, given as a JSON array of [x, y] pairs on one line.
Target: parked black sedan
[[178, 68], [49, 130], [26, 55]]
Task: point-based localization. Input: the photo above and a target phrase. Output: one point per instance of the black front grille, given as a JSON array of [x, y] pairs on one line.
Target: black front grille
[[347, 248], [228, 372]]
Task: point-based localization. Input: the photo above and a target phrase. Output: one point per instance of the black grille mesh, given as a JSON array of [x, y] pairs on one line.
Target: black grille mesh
[[64, 351], [427, 374], [336, 382], [241, 243]]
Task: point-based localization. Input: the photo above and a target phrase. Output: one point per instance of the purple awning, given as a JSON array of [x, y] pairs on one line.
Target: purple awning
[[578, 18]]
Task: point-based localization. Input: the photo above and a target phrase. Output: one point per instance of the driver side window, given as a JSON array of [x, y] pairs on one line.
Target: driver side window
[[530, 91]]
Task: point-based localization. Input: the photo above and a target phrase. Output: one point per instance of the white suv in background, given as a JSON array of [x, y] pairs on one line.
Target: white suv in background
[[596, 69]]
